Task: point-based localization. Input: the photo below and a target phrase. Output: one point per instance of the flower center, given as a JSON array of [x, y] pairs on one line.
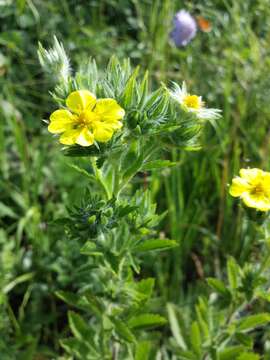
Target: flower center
[[259, 190], [192, 101], [88, 118]]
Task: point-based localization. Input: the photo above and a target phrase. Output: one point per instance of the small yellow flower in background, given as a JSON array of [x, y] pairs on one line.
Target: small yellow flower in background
[[193, 103], [87, 120], [253, 187]]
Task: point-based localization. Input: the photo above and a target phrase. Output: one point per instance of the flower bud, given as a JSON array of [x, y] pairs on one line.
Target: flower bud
[[133, 119], [138, 130], [91, 220], [104, 220]]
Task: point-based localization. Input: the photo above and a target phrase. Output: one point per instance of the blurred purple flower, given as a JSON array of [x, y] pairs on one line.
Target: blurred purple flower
[[184, 28]]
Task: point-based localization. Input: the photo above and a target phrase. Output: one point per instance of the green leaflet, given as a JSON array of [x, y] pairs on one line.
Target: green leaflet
[[230, 352], [143, 349], [155, 245], [157, 164], [250, 322], [146, 321]]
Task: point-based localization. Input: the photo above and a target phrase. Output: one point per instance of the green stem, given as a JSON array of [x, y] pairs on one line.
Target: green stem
[[99, 177], [265, 263], [116, 180]]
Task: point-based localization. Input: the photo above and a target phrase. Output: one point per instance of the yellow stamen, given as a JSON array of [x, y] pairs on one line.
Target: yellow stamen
[[258, 190], [88, 118], [192, 101]]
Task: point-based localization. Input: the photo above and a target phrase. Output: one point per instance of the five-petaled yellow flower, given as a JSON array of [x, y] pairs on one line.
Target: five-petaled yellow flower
[[253, 187], [87, 120]]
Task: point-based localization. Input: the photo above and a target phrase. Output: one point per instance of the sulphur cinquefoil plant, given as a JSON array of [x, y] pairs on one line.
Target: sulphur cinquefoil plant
[[120, 129]]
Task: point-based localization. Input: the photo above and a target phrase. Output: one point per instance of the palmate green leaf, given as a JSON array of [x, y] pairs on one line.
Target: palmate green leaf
[[146, 287], [94, 303], [132, 121], [90, 248], [106, 323], [113, 260], [165, 129], [187, 355], [253, 321], [248, 356], [233, 273], [155, 245], [134, 167], [157, 164], [262, 294], [80, 329], [219, 287], [195, 338], [55, 61], [192, 147], [129, 156], [88, 76], [7, 211], [123, 330], [202, 312], [156, 106], [74, 347], [18, 280], [68, 297], [122, 211], [85, 301], [78, 151], [154, 99], [130, 92], [159, 108], [244, 339], [230, 352], [78, 326], [188, 131], [143, 89], [175, 327], [140, 292], [83, 172], [145, 321], [143, 349]]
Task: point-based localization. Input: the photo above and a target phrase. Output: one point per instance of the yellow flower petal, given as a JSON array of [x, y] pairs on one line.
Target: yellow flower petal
[[251, 174], [114, 125], [103, 131], [266, 180], [109, 110], [254, 201], [253, 187], [238, 186], [61, 120], [80, 100], [86, 138], [69, 137]]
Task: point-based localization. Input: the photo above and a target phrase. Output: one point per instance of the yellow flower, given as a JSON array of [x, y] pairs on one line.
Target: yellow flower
[[193, 103], [87, 119], [253, 187]]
